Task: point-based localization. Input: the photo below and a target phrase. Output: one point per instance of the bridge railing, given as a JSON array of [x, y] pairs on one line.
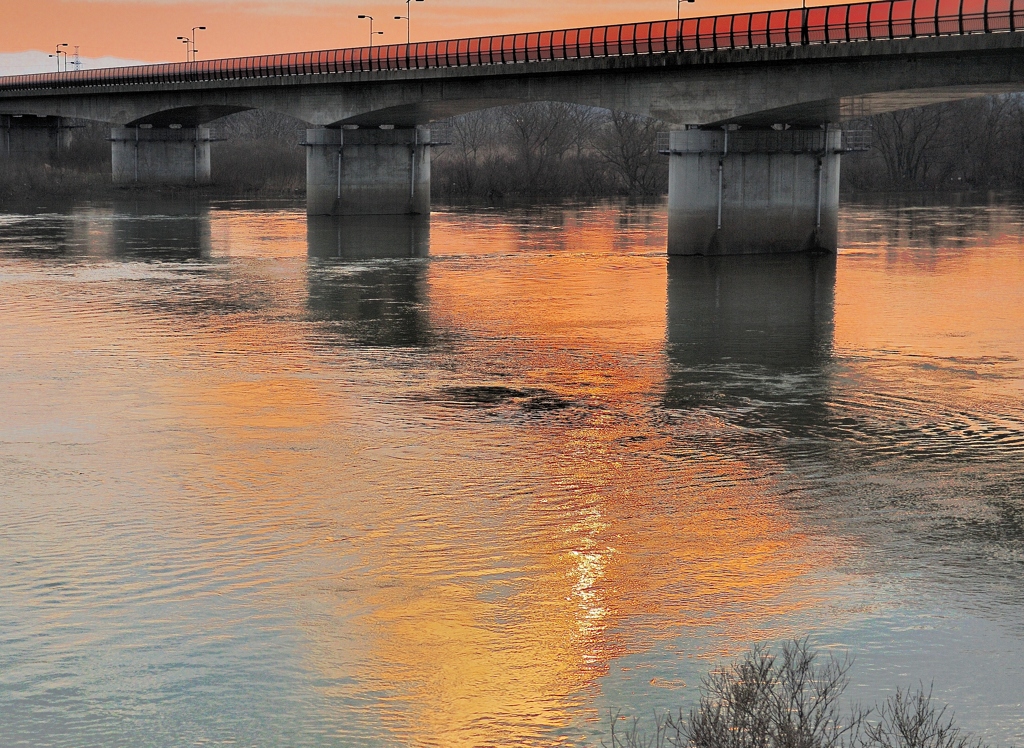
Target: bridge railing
[[782, 141], [885, 19]]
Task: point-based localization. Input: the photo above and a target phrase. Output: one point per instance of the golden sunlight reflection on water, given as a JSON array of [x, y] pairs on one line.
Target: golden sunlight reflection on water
[[475, 481]]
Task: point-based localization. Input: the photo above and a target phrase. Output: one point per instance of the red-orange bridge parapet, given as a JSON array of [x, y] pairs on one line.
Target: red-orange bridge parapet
[[855, 22]]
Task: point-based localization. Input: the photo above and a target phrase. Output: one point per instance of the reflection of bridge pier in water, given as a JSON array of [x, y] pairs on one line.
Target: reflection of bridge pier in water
[[367, 280], [751, 331], [368, 237], [161, 228], [141, 229]]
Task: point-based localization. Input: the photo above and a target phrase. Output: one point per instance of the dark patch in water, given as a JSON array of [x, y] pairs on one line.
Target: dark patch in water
[[536, 400], [481, 394], [547, 401]]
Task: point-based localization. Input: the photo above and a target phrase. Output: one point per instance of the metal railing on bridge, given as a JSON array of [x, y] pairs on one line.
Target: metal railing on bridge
[[887, 19], [782, 141]]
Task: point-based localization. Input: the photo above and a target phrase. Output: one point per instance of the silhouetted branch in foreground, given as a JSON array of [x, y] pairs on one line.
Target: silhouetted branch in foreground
[[793, 699]]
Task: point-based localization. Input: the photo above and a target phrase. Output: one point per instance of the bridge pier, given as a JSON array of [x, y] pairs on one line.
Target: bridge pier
[[160, 155], [753, 191], [367, 171], [31, 137]]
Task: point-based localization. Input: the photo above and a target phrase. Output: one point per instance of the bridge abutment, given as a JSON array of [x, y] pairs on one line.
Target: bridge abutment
[[368, 171], [160, 155], [753, 191]]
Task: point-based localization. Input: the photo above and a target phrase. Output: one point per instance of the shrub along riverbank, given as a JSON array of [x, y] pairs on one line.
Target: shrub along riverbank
[[793, 699], [553, 151]]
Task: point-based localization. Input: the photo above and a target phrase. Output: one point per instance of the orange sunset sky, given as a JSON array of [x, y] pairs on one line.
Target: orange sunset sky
[[145, 30]]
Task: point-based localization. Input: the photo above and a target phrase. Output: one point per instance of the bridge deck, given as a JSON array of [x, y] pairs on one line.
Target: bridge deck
[[886, 19]]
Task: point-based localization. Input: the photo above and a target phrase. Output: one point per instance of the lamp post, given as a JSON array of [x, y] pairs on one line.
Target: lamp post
[[188, 47], [194, 30], [372, 32], [57, 53], [678, 4], [408, 20]]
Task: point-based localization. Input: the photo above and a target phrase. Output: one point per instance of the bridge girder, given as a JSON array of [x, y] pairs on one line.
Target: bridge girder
[[799, 85]]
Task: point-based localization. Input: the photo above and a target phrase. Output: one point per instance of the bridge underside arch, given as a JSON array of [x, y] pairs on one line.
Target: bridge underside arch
[[804, 114], [423, 113], [814, 113], [149, 113], [187, 116]]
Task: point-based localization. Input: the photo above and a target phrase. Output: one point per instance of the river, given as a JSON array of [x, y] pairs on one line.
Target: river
[[482, 481]]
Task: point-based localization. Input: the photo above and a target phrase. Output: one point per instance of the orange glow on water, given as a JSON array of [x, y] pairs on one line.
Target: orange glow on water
[[587, 551], [944, 337], [479, 495], [943, 331], [480, 569], [485, 626]]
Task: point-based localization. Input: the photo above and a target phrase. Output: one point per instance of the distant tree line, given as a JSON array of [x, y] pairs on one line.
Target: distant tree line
[[555, 151], [256, 153], [549, 151], [558, 151], [260, 153], [77, 171], [974, 144]]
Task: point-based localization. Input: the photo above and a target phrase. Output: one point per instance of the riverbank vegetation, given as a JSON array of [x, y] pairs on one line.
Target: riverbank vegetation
[[548, 151], [555, 151], [256, 154], [970, 145], [560, 151], [793, 699]]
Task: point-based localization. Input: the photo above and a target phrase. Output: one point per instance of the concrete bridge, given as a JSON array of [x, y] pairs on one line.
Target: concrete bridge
[[754, 163]]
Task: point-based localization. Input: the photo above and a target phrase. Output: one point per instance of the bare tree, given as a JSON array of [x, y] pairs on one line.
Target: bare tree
[[906, 140], [473, 135], [261, 152], [550, 150], [984, 137], [792, 700], [262, 125], [629, 145], [540, 136], [775, 701], [909, 719]]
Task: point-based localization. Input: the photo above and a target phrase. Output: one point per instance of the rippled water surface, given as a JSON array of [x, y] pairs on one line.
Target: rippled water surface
[[479, 482]]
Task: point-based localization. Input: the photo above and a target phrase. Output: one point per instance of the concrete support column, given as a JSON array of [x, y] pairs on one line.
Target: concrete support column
[[160, 155], [32, 137], [368, 171], [753, 191]]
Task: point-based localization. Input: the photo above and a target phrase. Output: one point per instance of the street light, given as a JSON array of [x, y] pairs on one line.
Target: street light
[[678, 4], [57, 53], [408, 20], [194, 30], [372, 32], [188, 47]]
